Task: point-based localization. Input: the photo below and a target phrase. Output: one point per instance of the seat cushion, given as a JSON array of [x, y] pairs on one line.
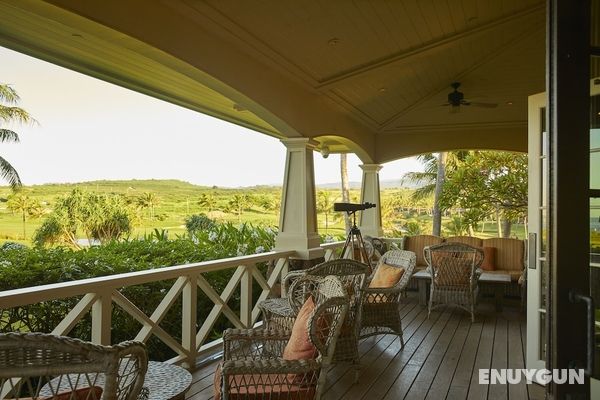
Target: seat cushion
[[417, 243], [510, 253], [470, 240], [299, 347], [260, 386], [514, 275]]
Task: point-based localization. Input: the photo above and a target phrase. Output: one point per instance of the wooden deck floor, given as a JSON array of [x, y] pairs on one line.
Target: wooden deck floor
[[441, 359]]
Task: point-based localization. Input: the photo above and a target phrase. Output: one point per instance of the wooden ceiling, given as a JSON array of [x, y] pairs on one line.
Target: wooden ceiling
[[369, 77]]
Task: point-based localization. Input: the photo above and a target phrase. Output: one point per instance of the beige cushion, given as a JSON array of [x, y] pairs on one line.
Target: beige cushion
[[510, 253], [416, 244], [514, 275], [470, 240]]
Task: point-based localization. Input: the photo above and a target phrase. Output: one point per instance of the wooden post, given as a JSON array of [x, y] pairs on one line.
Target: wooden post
[[102, 318], [189, 318], [246, 297]]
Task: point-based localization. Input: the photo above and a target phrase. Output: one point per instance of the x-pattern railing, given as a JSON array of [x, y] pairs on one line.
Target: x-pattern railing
[[101, 294]]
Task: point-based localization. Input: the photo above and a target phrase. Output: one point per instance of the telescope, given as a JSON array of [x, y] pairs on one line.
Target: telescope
[[352, 207]]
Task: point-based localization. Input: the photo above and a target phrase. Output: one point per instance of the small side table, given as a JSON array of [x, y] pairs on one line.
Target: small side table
[[499, 282]]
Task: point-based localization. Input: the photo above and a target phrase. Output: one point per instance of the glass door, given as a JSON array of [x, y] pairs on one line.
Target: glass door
[[537, 227]]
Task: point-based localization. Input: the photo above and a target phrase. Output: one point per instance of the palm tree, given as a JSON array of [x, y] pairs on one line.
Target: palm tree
[[209, 201], [148, 200], [345, 186], [23, 204], [433, 178], [10, 113]]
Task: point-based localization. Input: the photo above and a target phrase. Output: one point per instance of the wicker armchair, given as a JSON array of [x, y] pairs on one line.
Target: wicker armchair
[[280, 313], [41, 366], [380, 306], [253, 366], [454, 275]]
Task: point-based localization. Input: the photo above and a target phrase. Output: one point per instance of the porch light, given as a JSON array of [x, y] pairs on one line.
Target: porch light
[[325, 151]]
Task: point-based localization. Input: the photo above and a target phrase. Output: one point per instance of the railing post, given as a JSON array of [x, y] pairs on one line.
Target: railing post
[[246, 297], [101, 318], [189, 317]]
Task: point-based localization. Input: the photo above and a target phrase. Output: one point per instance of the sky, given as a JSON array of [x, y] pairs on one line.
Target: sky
[[89, 129]]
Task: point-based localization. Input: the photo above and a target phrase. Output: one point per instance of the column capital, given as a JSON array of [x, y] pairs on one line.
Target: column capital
[[299, 143], [371, 167]]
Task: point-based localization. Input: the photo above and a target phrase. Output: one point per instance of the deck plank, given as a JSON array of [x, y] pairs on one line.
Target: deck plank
[[424, 379], [483, 359], [400, 373], [516, 359], [500, 359], [410, 324], [459, 388]]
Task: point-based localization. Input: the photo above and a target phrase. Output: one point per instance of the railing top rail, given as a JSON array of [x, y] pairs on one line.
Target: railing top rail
[[332, 245], [35, 294]]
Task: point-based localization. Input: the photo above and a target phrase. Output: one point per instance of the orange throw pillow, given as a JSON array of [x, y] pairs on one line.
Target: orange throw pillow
[[299, 347], [386, 276], [489, 259]]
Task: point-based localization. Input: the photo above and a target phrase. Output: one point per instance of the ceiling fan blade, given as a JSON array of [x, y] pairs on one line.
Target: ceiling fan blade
[[484, 105]]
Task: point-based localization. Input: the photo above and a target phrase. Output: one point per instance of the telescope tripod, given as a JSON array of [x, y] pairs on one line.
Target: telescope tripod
[[355, 243]]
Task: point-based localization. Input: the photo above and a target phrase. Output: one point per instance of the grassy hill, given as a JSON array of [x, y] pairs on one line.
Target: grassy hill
[[178, 199]]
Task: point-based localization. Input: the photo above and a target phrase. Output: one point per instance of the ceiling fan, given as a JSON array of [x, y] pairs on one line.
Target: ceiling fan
[[457, 99]]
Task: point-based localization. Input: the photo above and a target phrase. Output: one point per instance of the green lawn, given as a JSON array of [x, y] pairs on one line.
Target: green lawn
[[178, 199]]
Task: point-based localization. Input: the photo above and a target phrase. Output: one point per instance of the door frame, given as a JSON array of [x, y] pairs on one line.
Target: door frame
[[567, 86]]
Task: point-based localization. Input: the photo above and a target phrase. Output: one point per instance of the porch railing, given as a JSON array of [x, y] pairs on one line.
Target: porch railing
[[102, 293]]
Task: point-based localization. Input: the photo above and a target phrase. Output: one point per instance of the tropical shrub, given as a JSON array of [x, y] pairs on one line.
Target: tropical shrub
[[98, 216]]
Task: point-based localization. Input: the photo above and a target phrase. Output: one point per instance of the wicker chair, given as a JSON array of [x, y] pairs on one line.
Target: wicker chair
[[38, 365], [253, 366], [454, 275], [280, 313], [380, 306]]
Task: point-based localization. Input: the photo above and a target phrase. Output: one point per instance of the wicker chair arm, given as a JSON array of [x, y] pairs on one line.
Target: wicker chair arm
[[288, 278], [255, 334], [391, 290], [270, 366]]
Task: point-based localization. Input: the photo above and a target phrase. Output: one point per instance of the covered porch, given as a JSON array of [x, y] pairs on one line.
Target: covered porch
[[335, 77]]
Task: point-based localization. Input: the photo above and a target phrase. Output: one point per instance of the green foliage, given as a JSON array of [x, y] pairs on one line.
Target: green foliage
[[456, 226], [485, 183], [197, 223], [98, 216], [413, 228], [21, 267]]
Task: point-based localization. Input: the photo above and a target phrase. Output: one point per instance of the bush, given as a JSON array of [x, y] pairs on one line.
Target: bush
[[198, 223], [23, 267]]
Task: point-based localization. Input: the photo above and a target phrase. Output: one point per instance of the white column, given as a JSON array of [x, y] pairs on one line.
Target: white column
[[298, 218], [370, 220]]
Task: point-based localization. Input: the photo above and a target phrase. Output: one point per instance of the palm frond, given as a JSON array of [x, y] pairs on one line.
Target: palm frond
[[8, 173], [419, 177], [8, 94], [6, 135], [423, 192], [15, 114]]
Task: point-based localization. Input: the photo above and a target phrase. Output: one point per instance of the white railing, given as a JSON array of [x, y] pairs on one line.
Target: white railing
[[101, 294]]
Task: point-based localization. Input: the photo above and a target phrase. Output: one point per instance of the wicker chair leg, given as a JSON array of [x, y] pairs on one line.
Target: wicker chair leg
[[401, 342], [356, 372]]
